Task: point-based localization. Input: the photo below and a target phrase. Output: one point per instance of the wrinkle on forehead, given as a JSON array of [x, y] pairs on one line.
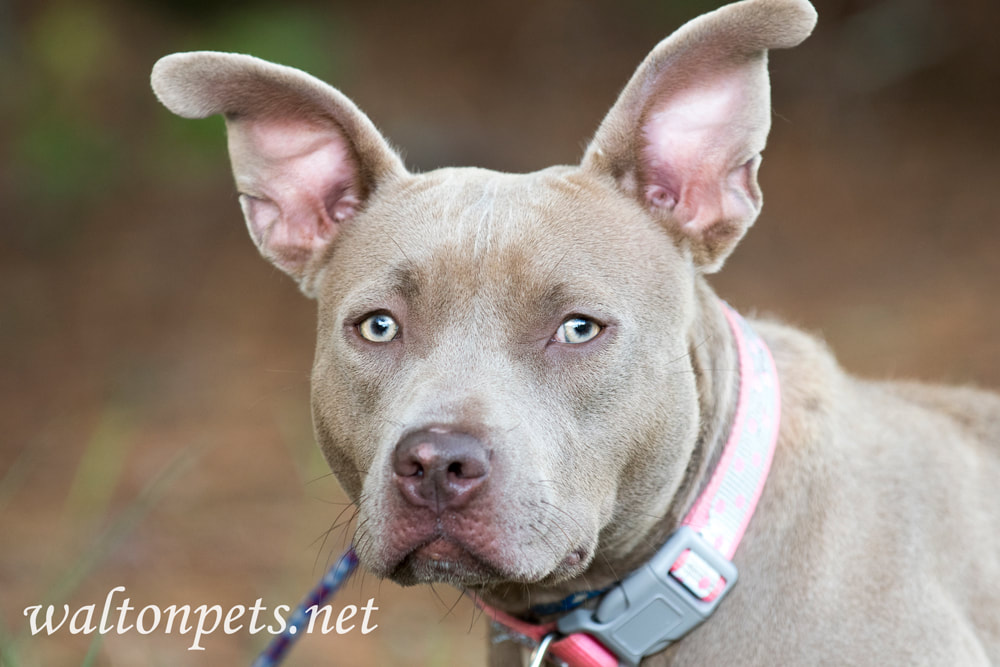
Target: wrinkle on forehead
[[480, 207], [480, 217], [456, 229]]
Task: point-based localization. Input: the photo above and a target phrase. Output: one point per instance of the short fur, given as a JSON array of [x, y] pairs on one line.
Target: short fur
[[877, 537]]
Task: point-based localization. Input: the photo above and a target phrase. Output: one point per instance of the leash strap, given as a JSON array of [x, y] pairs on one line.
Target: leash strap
[[334, 578]]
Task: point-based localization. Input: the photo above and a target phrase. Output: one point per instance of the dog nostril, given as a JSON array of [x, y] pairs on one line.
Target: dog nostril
[[440, 468], [470, 468], [409, 468]]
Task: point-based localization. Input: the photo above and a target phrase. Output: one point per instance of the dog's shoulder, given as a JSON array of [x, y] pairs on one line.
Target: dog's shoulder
[[810, 378], [974, 412], [876, 427]]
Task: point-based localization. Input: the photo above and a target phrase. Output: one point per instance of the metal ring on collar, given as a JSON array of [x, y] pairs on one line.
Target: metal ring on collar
[[538, 655]]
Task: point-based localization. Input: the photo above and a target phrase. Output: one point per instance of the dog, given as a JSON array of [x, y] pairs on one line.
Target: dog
[[526, 385]]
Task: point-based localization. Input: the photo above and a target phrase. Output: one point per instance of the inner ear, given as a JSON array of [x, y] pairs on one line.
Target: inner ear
[[305, 158], [686, 133], [298, 181], [700, 149]]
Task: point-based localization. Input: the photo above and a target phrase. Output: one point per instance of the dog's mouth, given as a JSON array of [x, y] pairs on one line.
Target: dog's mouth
[[444, 559]]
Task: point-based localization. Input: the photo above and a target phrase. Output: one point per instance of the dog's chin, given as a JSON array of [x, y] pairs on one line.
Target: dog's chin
[[443, 560], [446, 561]]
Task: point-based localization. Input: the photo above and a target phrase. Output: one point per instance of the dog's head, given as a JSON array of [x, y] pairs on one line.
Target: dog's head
[[502, 380]]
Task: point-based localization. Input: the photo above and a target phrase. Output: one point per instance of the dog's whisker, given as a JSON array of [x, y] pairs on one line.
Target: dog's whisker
[[317, 479]]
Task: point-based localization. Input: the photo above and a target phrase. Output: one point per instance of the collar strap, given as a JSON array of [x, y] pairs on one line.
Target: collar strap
[[568, 603], [683, 583]]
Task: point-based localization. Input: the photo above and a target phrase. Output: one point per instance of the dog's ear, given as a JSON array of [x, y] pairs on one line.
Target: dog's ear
[[685, 135], [304, 156]]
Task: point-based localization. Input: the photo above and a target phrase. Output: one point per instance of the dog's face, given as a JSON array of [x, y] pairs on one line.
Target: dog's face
[[497, 325], [502, 381]]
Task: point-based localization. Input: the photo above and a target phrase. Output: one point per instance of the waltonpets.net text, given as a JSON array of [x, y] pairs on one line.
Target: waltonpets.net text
[[201, 620]]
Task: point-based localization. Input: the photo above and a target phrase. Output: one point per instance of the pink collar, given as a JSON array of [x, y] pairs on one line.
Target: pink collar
[[686, 579]]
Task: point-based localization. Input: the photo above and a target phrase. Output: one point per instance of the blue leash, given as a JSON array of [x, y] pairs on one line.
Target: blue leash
[[334, 578]]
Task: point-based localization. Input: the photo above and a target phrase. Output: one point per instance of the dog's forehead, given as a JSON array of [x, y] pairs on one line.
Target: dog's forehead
[[471, 232], [550, 215], [465, 204]]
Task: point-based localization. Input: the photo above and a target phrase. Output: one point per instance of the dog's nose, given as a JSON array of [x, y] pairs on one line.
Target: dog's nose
[[440, 469]]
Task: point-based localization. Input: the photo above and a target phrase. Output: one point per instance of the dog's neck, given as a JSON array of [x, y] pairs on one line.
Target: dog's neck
[[714, 362]]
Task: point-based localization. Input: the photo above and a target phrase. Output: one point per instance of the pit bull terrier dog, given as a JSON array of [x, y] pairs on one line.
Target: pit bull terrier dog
[[525, 383]]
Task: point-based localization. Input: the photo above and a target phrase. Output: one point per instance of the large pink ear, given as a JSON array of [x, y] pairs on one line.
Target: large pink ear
[[304, 157], [685, 135]]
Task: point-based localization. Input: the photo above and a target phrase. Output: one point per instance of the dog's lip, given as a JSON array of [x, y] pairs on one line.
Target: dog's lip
[[442, 558], [441, 548]]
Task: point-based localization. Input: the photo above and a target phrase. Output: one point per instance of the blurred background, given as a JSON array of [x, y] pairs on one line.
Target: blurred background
[[154, 420]]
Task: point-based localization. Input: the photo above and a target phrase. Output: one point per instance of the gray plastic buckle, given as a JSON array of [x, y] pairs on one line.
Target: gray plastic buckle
[[650, 609]]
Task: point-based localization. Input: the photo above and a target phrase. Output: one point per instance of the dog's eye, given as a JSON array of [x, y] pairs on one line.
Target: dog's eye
[[378, 328], [577, 330]]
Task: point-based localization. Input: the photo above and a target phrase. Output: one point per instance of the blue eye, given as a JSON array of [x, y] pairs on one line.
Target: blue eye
[[378, 328], [577, 330]]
